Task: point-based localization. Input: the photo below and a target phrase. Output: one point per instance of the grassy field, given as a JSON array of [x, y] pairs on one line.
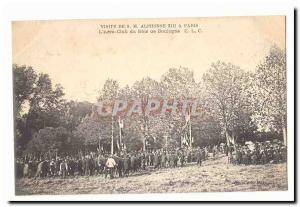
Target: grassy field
[[213, 176]]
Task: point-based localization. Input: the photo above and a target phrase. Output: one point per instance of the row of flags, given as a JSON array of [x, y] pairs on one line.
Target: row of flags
[[120, 144], [187, 139]]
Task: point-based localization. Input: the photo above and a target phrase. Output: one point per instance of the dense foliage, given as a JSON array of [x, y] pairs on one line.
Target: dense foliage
[[243, 105]]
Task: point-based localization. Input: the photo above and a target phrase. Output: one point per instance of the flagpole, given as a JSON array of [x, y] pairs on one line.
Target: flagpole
[[145, 135], [112, 135], [120, 133], [190, 130], [190, 127], [99, 144], [181, 140]]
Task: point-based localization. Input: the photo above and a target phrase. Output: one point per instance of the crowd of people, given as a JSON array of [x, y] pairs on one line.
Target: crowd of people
[[258, 153], [125, 164], [119, 164]]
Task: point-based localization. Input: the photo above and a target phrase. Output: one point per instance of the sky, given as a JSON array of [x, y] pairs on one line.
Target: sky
[[76, 56]]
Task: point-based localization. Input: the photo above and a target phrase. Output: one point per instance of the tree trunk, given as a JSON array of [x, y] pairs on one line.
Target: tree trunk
[[284, 135], [144, 144], [228, 138], [283, 124], [112, 136]]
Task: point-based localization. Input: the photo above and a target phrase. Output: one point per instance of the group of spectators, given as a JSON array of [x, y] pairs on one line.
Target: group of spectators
[[125, 164], [258, 153], [119, 164]]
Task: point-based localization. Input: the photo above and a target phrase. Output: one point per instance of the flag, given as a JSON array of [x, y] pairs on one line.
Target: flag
[[121, 123], [186, 138], [118, 145], [119, 142], [121, 126], [187, 117], [184, 141]]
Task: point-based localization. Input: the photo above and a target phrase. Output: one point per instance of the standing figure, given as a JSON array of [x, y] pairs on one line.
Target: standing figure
[[199, 157], [63, 168], [110, 166], [52, 168], [126, 162]]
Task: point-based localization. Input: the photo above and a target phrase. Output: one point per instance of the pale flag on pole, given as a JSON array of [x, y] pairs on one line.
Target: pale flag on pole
[[187, 119], [188, 115], [121, 123], [184, 140], [118, 145]]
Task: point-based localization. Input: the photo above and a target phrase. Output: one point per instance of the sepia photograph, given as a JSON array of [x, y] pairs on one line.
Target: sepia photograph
[[150, 105]]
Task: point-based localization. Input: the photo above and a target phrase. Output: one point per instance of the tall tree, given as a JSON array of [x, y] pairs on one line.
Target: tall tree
[[50, 140], [37, 103], [109, 91], [93, 129], [24, 79], [75, 112], [270, 95], [145, 90], [226, 99], [46, 108], [179, 84]]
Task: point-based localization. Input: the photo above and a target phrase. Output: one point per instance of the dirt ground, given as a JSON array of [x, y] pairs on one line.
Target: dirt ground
[[215, 175]]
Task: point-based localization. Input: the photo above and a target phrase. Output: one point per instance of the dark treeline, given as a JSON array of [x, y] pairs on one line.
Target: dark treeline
[[239, 106]]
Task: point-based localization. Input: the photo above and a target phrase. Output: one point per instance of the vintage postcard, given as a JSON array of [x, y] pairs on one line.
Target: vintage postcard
[[141, 106]]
